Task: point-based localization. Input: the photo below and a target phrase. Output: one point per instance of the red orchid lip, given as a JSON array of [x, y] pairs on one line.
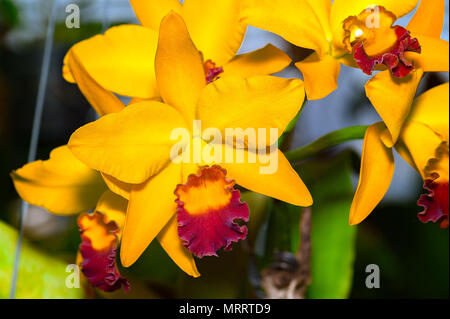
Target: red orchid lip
[[435, 202], [394, 59], [99, 264], [212, 72], [210, 228]]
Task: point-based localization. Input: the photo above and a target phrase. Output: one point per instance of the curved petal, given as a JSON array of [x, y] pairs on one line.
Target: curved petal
[[428, 19], [171, 242], [294, 20], [392, 98], [421, 142], [150, 207], [342, 9], [151, 12], [257, 102], [320, 75], [121, 60], [62, 184], [114, 207], [215, 28], [103, 101], [432, 108], [136, 151], [283, 183], [377, 169], [322, 9], [434, 55], [179, 67], [116, 186], [267, 60]]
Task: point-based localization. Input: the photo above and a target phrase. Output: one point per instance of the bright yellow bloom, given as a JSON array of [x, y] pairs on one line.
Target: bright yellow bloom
[[132, 148], [424, 144], [122, 60], [355, 31]]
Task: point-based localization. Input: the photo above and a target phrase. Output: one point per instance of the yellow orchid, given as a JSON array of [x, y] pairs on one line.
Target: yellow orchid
[[424, 144], [132, 149], [360, 34], [122, 60]]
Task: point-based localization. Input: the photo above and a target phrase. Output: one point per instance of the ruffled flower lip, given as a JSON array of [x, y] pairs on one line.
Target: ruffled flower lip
[[99, 265], [394, 59], [210, 225], [212, 72], [435, 202]]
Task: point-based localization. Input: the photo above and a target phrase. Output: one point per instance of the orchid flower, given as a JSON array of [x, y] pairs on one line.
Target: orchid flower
[[122, 60], [132, 149], [360, 34], [424, 144]]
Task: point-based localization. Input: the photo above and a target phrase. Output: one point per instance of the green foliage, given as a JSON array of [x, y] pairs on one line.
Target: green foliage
[[8, 13], [40, 276], [332, 238]]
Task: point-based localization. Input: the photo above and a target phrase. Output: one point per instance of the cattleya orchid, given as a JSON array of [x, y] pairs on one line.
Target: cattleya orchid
[[136, 162], [424, 144], [360, 34], [122, 60]]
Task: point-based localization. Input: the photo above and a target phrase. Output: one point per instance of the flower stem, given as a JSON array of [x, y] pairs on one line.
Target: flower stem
[[327, 141]]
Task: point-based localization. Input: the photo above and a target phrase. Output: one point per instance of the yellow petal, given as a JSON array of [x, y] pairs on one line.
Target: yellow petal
[[114, 207], [342, 9], [150, 207], [62, 184], [215, 28], [267, 60], [421, 142], [131, 145], [151, 12], [294, 20], [169, 240], [434, 56], [432, 108], [179, 67], [103, 101], [122, 60], [392, 98], [377, 169], [320, 75], [322, 8], [283, 184], [257, 102], [116, 186], [428, 19]]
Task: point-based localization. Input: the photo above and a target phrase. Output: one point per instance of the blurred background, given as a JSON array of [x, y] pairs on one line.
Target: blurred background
[[413, 257]]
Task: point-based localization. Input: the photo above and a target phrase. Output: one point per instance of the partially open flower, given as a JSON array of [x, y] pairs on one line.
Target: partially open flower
[[98, 252]]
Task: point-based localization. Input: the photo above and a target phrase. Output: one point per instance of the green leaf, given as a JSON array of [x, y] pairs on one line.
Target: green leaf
[[331, 139], [9, 13], [332, 238], [40, 276]]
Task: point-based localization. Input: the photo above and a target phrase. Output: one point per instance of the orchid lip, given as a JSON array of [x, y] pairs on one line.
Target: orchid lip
[[208, 207]]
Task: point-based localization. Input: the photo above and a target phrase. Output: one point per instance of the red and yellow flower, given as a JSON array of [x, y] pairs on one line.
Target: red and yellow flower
[[424, 144], [361, 34]]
